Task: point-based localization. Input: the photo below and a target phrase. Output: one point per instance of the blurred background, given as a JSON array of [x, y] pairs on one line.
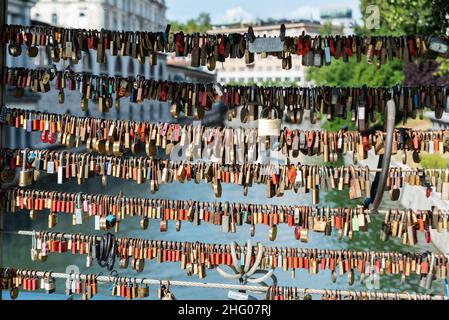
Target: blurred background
[[323, 17]]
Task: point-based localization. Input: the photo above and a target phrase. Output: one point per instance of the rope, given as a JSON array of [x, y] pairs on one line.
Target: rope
[[260, 289]]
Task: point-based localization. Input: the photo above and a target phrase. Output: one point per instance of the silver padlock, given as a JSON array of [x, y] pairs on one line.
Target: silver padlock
[[50, 284]]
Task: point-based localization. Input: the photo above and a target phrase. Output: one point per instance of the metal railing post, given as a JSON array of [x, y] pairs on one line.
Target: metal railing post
[[384, 161]]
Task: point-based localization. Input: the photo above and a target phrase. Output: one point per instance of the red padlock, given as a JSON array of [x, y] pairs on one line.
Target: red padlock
[[297, 233], [428, 191], [51, 137], [428, 237]]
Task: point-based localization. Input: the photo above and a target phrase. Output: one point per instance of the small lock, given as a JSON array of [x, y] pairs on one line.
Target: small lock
[[89, 260], [52, 220], [25, 177], [123, 263], [272, 232], [111, 220], [144, 223], [49, 285]]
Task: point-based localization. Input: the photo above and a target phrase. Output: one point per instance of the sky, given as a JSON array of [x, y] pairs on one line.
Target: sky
[[225, 11]]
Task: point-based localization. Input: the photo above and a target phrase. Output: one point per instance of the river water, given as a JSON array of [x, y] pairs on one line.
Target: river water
[[17, 248]]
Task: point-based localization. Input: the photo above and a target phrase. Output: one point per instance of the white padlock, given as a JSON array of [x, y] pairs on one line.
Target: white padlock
[[268, 127]]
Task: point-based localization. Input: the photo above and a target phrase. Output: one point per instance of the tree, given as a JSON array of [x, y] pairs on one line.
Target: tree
[[396, 17], [353, 74], [422, 17], [200, 24], [328, 29], [411, 16]]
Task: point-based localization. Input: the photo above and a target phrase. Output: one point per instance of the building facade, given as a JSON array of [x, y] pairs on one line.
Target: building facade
[[339, 16], [19, 13], [109, 14], [148, 15], [270, 68]]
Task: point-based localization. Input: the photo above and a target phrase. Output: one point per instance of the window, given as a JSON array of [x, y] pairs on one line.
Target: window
[[298, 79], [241, 68], [241, 79], [269, 68], [278, 79], [54, 19], [231, 79]]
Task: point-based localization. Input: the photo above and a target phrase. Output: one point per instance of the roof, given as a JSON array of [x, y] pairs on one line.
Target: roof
[[309, 26]]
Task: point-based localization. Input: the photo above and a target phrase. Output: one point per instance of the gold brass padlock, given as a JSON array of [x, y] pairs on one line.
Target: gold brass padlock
[[144, 223], [315, 196], [272, 232], [52, 220], [123, 264], [32, 215], [139, 265], [25, 174]]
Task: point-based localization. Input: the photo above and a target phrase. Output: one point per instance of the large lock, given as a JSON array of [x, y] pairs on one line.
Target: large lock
[[268, 127], [25, 174]]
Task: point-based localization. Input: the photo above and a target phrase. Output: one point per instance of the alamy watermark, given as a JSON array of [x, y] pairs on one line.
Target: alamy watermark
[[372, 17]]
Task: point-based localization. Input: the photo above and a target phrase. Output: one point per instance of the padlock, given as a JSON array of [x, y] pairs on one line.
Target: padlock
[[49, 284], [52, 220], [268, 127], [144, 223], [111, 220], [25, 174]]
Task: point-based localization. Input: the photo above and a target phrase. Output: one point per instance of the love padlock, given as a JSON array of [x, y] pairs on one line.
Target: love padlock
[[267, 126]]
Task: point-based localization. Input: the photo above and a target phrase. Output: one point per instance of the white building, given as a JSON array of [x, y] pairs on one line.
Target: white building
[[19, 13], [270, 68], [132, 15], [146, 15], [340, 17]]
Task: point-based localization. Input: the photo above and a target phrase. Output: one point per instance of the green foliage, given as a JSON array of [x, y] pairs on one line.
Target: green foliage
[[338, 123], [336, 198], [436, 161], [410, 16], [266, 83], [353, 74], [201, 24], [327, 29], [443, 68]]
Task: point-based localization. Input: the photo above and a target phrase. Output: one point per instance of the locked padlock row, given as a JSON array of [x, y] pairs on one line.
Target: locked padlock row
[[198, 257]]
